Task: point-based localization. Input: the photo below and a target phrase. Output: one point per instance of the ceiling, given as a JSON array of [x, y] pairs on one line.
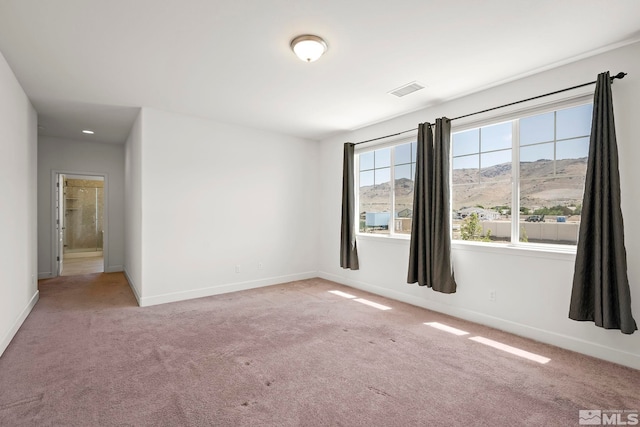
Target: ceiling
[[94, 63]]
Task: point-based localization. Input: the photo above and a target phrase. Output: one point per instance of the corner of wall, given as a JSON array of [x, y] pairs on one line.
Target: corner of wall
[[8, 336], [133, 287]]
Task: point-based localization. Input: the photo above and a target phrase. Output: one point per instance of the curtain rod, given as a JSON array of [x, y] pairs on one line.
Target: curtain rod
[[617, 76]]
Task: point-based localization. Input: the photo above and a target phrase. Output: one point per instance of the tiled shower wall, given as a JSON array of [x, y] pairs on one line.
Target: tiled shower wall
[[84, 212]]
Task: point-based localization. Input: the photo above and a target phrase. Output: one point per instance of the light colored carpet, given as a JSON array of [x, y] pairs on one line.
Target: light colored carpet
[[286, 355]]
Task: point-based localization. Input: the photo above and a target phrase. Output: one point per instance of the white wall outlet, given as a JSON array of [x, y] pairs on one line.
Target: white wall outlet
[[238, 268], [492, 295], [260, 266]]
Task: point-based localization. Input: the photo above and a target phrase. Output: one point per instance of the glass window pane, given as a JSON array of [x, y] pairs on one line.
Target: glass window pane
[[414, 150], [572, 149], [366, 178], [496, 158], [534, 153], [536, 129], [382, 176], [482, 212], [375, 209], [550, 210], [375, 201], [403, 172], [495, 137], [402, 154], [574, 122], [572, 156], [383, 158], [466, 169], [466, 162], [496, 166], [467, 142], [403, 209], [536, 161], [366, 160]]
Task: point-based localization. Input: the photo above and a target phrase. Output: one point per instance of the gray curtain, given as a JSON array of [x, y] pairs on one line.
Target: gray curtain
[[600, 285], [430, 251], [348, 246]]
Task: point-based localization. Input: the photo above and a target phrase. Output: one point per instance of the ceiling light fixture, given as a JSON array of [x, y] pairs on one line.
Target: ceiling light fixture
[[88, 132], [308, 47]]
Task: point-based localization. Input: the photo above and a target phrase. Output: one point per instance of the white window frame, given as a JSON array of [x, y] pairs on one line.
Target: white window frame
[[366, 149], [515, 117], [558, 102]]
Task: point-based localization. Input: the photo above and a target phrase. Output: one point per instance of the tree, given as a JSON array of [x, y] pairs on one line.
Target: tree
[[554, 210], [503, 209], [471, 229]]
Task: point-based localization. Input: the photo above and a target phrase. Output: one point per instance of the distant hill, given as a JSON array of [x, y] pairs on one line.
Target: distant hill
[[494, 187], [375, 198]]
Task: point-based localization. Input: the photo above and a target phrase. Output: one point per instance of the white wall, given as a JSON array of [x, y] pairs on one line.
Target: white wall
[[18, 262], [216, 196], [532, 288], [133, 207], [55, 154]]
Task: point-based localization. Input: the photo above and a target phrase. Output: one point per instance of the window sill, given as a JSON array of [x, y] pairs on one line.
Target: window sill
[[531, 250], [386, 238], [555, 252]]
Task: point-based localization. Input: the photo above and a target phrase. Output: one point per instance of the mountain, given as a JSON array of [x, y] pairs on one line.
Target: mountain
[[492, 187], [375, 198]]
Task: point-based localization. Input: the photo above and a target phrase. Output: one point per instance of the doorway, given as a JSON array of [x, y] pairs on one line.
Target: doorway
[[80, 224]]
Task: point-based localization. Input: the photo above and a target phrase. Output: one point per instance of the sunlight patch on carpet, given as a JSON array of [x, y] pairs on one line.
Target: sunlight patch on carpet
[[342, 294], [446, 328], [372, 304], [512, 350]]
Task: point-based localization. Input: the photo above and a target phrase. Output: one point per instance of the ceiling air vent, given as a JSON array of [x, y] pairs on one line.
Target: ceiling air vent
[[407, 89]]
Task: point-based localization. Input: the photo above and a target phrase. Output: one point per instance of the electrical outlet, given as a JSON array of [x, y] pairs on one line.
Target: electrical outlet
[[260, 266], [492, 295], [238, 268]]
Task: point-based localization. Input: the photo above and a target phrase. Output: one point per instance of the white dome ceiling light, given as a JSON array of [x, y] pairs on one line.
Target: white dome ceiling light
[[308, 47]]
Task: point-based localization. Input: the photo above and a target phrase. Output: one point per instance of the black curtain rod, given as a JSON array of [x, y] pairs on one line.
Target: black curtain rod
[[617, 76]]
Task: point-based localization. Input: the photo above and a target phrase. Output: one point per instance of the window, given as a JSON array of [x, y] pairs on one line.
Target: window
[[544, 156], [383, 208]]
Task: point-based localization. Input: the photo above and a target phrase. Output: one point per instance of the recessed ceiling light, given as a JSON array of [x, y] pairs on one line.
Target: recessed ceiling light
[[89, 132]]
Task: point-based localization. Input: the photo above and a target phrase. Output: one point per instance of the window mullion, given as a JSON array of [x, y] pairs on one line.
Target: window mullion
[[555, 142], [356, 192], [392, 187], [515, 182]]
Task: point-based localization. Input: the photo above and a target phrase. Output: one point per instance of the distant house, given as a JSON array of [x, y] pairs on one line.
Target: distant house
[[483, 214], [377, 219], [405, 213]]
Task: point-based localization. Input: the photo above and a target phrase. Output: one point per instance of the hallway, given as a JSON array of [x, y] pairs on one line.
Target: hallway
[[82, 265]]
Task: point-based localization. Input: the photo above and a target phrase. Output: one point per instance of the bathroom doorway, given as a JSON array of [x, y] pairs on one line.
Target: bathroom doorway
[[80, 208]]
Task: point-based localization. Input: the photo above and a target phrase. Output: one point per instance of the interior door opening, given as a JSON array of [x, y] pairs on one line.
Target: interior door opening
[[80, 224]]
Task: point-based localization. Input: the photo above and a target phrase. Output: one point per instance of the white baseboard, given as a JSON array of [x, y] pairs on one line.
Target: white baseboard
[[559, 340], [6, 339], [222, 289], [132, 286], [114, 269]]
